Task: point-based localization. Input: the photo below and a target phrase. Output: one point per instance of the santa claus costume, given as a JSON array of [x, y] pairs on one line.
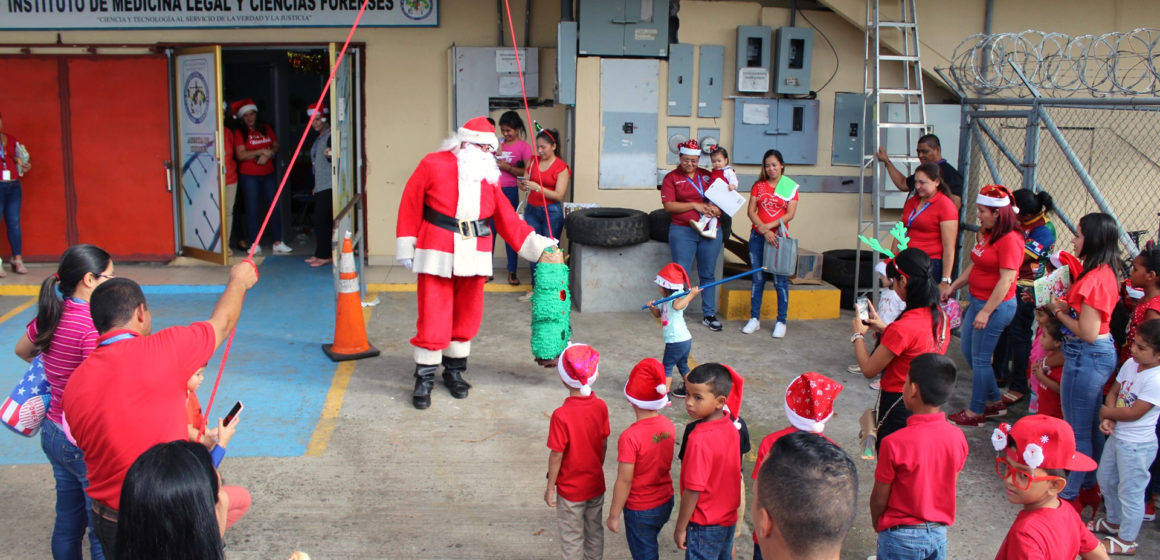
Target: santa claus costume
[[443, 236]]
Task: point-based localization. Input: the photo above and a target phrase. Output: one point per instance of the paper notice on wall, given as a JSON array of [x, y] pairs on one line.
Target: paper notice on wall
[[754, 113], [729, 201], [509, 86]]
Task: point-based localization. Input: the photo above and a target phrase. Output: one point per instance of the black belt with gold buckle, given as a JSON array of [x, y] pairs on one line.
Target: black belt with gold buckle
[[466, 228]]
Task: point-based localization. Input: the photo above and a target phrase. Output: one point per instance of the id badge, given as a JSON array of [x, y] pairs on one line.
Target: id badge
[[5, 175]]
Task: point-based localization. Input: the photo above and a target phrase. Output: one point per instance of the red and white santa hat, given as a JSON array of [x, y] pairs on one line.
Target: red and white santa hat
[[689, 147], [1060, 259], [673, 277], [809, 401], [646, 385], [478, 131], [733, 401], [1042, 441], [243, 106], [996, 196], [579, 366], [319, 108]]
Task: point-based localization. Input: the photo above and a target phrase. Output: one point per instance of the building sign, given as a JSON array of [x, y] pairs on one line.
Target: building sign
[[56, 15]]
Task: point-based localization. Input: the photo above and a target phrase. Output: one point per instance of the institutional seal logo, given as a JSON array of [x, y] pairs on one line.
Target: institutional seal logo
[[417, 9], [196, 97]]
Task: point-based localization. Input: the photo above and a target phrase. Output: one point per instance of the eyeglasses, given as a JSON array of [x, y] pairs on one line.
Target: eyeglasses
[[1020, 478]]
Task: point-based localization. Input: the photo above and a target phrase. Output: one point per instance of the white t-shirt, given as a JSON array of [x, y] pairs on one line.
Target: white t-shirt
[[890, 306], [1136, 386]]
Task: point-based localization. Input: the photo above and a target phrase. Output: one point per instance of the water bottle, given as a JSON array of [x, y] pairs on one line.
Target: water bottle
[[868, 448]]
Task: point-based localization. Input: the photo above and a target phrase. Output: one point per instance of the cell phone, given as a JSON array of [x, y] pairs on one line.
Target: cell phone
[[233, 413], [862, 306]]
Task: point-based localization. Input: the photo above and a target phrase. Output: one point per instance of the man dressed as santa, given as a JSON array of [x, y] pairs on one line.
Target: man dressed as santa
[[444, 237]]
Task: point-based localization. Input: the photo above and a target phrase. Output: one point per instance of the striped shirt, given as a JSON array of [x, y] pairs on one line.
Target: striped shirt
[[74, 339]]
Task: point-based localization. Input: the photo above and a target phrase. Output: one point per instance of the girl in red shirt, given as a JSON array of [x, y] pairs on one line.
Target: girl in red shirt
[[546, 185], [1089, 355], [256, 146], [1146, 278], [772, 204], [990, 276]]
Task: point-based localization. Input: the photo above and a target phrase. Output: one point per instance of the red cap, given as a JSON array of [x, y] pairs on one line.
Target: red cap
[[1042, 442]]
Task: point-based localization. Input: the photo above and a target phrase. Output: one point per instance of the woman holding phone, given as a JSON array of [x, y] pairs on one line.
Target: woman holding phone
[[546, 185]]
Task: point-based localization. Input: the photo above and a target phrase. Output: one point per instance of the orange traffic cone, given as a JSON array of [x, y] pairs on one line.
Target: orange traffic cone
[[350, 334]]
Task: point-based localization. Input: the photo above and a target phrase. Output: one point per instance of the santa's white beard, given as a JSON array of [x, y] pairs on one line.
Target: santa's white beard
[[476, 165]]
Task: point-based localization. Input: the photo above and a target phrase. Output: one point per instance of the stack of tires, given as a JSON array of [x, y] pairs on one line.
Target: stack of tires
[[607, 227], [838, 268]]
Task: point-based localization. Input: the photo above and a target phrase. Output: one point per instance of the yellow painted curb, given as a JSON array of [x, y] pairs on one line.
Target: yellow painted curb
[[19, 290], [412, 287], [334, 397], [805, 302]]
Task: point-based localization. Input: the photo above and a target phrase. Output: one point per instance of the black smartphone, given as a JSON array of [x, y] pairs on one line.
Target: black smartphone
[[233, 413]]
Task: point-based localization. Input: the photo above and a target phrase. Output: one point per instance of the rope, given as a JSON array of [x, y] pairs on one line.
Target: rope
[[270, 211]]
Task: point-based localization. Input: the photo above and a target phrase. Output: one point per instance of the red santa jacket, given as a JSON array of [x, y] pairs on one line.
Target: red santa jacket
[[437, 251]]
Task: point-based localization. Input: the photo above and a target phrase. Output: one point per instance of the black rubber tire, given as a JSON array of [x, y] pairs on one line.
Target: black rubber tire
[[838, 268], [607, 227], [658, 225]]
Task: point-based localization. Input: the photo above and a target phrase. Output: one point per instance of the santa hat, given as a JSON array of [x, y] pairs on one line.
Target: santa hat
[[579, 366], [243, 106], [1042, 441], [673, 277], [646, 385], [319, 108], [1061, 259], [996, 196], [733, 400], [689, 147], [478, 131], [809, 401]]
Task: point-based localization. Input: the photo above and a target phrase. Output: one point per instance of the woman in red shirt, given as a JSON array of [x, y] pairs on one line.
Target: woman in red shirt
[[773, 203], [990, 276], [256, 147], [932, 220], [1089, 355], [683, 197], [546, 185], [12, 166], [920, 329]]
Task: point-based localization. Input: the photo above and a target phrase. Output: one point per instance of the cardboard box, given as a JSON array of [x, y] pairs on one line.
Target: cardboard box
[[809, 268]]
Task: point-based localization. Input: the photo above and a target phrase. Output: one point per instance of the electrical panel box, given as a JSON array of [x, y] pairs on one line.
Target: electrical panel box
[[851, 120], [709, 81], [792, 60], [480, 73], [753, 45], [707, 137], [674, 136], [787, 125], [566, 63], [624, 28], [629, 98], [680, 80]]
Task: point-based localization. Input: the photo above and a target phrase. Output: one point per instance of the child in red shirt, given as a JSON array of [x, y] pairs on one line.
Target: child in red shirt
[[1040, 450], [578, 438], [711, 466], [1049, 370], [216, 441], [809, 404], [913, 500], [644, 487]]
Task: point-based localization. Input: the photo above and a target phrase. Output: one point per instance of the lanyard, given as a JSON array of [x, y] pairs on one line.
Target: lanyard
[[915, 213], [696, 182], [3, 159], [117, 338]]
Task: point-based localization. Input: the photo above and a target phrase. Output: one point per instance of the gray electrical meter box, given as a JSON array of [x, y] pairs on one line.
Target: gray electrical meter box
[[624, 28], [787, 125], [851, 119], [753, 46], [794, 48]]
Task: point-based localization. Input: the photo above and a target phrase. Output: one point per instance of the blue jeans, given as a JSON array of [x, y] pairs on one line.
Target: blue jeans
[[936, 270], [534, 215], [1086, 368], [757, 291], [642, 527], [1123, 476], [10, 204], [512, 194], [72, 504], [708, 542], [978, 346], [677, 354], [685, 244], [1014, 348], [264, 187], [913, 543]]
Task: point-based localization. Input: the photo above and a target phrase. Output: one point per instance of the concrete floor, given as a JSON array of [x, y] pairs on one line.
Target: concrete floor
[[465, 479]]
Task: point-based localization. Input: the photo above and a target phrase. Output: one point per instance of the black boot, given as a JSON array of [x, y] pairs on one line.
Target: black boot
[[453, 369], [424, 380]]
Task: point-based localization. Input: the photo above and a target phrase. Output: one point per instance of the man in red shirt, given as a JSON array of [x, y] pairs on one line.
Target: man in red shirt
[[913, 501], [129, 394]]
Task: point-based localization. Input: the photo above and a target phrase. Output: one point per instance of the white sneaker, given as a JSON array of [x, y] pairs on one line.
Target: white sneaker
[[283, 248], [854, 369], [752, 326], [257, 250], [710, 231], [778, 330], [526, 297], [698, 225]]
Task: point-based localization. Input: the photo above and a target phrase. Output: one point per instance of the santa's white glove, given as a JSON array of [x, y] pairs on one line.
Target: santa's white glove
[[409, 263]]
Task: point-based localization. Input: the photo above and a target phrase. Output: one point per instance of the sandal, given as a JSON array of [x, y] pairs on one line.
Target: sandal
[[1118, 547], [18, 267], [1101, 525], [320, 262], [1009, 397], [513, 279]]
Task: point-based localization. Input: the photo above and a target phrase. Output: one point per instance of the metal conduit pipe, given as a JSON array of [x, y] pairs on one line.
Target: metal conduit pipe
[[566, 10]]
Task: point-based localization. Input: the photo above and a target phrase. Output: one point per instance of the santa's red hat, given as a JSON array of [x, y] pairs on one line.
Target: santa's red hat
[[1042, 442], [809, 401], [319, 108], [646, 385], [673, 277], [996, 196], [243, 106], [1061, 259], [733, 401], [579, 366], [689, 147], [478, 131]]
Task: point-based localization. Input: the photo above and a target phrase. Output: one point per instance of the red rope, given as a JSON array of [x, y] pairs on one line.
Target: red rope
[[281, 186], [528, 113]]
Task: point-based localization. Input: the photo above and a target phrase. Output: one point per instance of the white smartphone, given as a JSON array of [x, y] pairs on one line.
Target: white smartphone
[[862, 307]]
